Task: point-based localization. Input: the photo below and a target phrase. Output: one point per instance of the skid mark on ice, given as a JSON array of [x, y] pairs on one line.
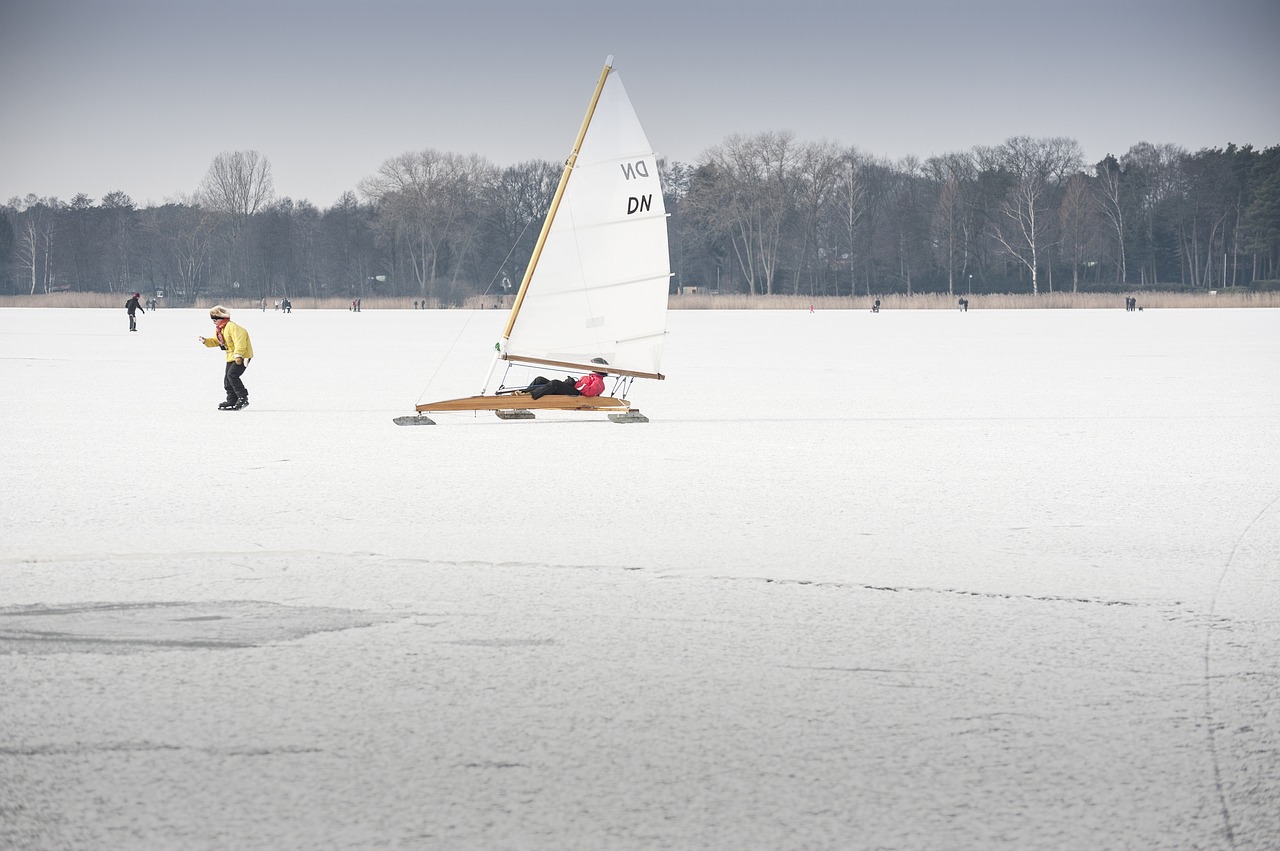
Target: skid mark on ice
[[903, 678], [246, 560], [266, 466], [959, 592], [996, 595], [1210, 723], [504, 642], [896, 589], [850, 670]]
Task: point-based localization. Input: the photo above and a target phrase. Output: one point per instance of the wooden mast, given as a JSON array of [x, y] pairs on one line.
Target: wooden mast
[[555, 202]]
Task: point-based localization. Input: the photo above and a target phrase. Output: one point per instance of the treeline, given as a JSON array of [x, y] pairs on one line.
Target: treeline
[[759, 215]]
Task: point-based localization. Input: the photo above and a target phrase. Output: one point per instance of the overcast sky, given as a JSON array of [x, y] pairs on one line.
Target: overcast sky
[[141, 95]]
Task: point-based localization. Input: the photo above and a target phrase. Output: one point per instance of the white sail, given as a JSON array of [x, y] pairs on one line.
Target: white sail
[[600, 285]]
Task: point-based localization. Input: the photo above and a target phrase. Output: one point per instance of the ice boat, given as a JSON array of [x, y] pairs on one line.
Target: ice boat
[[597, 282]]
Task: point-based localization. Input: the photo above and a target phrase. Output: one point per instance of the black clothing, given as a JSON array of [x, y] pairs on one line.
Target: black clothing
[[231, 382], [131, 305], [540, 387]]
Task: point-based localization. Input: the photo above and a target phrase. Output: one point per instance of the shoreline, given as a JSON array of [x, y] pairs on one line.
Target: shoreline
[[1229, 298]]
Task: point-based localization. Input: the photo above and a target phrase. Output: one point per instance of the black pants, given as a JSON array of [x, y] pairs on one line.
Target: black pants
[[232, 384], [133, 322], [540, 387]]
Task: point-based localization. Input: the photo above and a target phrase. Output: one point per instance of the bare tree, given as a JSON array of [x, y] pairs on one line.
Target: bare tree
[[518, 198], [1019, 226], [1077, 224], [906, 214], [852, 201], [237, 186], [816, 176], [35, 226], [429, 203], [1108, 190], [948, 214], [1022, 224], [950, 228], [749, 199], [182, 233], [238, 183]]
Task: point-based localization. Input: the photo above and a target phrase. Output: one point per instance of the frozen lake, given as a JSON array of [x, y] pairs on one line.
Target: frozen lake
[[1001, 579]]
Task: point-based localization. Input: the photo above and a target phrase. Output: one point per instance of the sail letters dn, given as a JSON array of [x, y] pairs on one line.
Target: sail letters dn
[[631, 171]]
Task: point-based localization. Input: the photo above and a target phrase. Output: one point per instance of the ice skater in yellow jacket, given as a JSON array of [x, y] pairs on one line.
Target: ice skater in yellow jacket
[[234, 340]]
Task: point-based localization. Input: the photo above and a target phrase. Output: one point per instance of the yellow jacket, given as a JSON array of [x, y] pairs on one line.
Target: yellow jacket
[[238, 345]]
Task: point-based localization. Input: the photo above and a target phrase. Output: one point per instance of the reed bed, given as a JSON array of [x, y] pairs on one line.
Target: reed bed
[[995, 301], [919, 301], [66, 300], [101, 300]]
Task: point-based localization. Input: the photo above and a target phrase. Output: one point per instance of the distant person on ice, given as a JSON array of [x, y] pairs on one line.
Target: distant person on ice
[[131, 305], [591, 384], [234, 340]]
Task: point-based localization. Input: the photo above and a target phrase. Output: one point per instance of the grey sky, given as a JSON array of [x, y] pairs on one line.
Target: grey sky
[[140, 95]]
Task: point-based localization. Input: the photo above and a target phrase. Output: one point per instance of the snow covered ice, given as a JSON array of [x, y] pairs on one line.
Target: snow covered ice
[[1000, 579]]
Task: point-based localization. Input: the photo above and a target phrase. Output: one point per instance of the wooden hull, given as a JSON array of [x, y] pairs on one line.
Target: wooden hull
[[525, 402]]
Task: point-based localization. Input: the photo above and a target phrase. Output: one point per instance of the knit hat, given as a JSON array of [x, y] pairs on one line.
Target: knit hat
[[603, 361], [219, 312]]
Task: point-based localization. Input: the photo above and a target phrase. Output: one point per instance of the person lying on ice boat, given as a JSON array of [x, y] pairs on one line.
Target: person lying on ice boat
[[591, 384]]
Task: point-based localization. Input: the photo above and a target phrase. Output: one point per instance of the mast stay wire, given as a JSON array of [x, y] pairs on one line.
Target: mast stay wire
[[462, 330]]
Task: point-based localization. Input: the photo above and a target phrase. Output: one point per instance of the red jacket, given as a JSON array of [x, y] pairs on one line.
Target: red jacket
[[590, 385]]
